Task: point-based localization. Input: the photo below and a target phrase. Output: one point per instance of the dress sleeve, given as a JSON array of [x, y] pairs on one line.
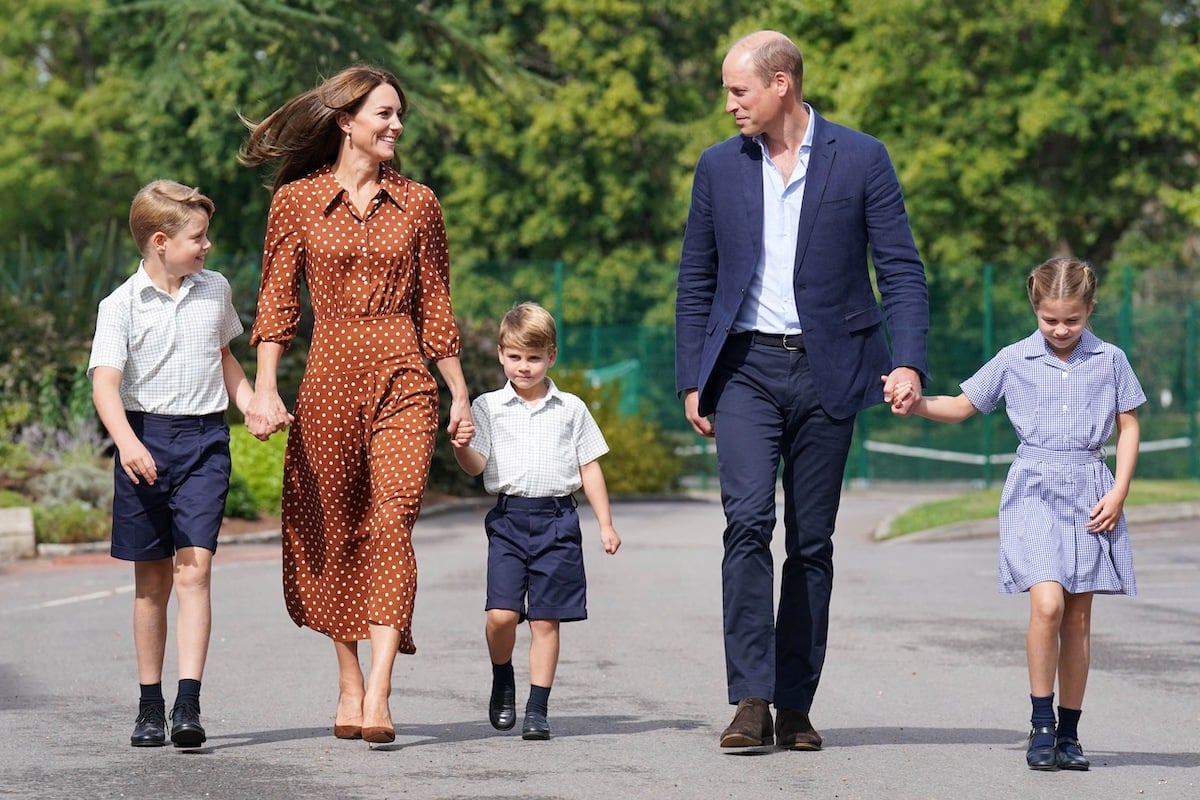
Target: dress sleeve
[[278, 315], [1129, 389], [432, 311], [985, 388]]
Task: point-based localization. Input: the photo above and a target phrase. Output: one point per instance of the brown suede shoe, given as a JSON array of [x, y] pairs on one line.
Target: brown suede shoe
[[751, 726], [793, 731]]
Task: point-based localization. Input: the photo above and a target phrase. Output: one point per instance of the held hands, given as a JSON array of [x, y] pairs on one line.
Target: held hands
[[266, 414], [461, 427], [902, 390], [1106, 513]]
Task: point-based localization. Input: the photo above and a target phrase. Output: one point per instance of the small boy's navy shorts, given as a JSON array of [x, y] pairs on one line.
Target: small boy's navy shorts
[[535, 558], [186, 504]]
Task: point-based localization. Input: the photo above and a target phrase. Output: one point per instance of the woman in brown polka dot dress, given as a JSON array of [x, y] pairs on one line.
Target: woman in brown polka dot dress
[[370, 245]]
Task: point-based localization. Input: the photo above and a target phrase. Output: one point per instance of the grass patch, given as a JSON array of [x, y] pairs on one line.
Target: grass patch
[[985, 503]]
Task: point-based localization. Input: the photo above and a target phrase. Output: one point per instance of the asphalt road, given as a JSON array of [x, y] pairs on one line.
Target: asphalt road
[[924, 694]]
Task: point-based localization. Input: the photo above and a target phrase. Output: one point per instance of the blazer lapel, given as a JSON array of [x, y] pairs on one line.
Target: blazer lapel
[[751, 180], [820, 162]]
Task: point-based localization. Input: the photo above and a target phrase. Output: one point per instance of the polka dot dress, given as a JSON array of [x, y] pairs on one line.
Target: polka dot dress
[[358, 453]]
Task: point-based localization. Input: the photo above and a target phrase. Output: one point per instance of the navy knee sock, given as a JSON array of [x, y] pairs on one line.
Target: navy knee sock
[[1043, 717], [1068, 722], [151, 695], [503, 673], [539, 699], [189, 692]]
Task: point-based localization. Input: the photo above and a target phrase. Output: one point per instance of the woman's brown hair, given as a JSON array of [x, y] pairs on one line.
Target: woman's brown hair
[[303, 133]]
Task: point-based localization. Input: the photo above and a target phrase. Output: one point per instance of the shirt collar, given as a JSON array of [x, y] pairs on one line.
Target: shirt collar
[[141, 281], [392, 184], [1036, 346], [805, 144], [508, 395]]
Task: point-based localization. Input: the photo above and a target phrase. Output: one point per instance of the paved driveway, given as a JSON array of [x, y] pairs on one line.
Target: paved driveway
[[924, 695]]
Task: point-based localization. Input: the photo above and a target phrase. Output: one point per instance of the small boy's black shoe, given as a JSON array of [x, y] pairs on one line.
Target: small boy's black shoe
[[536, 726], [186, 730], [150, 729], [502, 707], [1041, 755], [1070, 755]]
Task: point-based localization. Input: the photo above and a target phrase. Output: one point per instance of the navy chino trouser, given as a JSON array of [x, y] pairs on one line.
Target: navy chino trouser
[[767, 411]]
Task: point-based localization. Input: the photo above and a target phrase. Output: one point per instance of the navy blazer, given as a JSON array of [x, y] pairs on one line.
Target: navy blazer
[[852, 202]]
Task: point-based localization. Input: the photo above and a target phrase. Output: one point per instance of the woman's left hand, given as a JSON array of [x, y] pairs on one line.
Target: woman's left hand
[[461, 427]]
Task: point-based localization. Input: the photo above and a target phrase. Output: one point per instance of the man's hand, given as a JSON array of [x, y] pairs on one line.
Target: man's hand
[[691, 410]]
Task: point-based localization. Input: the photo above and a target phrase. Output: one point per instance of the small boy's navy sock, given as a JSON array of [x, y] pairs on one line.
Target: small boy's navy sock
[[539, 699], [1043, 717], [151, 695], [189, 692], [1068, 722], [503, 673]]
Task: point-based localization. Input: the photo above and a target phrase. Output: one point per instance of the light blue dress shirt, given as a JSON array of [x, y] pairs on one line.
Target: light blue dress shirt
[[770, 302]]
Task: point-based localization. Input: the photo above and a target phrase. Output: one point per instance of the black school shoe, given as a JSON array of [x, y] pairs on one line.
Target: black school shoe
[[536, 726], [186, 730], [1070, 755], [502, 706], [150, 729]]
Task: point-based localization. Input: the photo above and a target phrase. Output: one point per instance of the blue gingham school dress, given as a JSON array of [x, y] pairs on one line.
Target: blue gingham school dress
[[1063, 413]]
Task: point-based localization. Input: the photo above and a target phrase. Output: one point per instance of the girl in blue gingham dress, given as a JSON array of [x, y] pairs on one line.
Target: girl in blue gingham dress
[[1062, 529]]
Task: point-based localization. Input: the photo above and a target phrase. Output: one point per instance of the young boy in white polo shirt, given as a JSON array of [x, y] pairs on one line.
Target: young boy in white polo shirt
[[162, 375], [535, 446]]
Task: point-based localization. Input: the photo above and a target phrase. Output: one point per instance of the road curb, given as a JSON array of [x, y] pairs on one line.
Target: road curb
[[981, 528]]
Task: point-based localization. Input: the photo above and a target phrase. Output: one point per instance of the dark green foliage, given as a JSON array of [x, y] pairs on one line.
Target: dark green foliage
[[241, 503], [257, 473]]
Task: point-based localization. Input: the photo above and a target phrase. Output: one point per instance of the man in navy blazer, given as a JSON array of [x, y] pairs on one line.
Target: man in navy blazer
[[780, 341]]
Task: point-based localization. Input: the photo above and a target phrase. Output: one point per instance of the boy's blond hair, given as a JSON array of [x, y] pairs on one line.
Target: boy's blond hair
[[165, 206], [528, 326]]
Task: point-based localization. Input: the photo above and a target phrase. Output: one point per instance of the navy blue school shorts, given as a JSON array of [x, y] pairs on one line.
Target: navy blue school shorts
[[186, 504], [535, 558]]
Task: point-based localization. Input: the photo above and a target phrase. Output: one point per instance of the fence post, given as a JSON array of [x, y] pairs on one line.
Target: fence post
[[988, 335], [558, 292], [1191, 401], [1125, 326]]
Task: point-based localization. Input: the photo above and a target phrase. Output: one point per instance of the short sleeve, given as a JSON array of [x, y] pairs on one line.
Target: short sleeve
[[985, 388], [230, 325], [589, 441], [481, 417], [110, 346], [1129, 389]]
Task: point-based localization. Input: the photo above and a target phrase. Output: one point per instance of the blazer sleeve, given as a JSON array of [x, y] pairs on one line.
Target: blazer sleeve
[[697, 281], [899, 272]]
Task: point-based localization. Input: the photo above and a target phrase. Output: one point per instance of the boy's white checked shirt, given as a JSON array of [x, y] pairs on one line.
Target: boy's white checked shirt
[[168, 349], [534, 451]]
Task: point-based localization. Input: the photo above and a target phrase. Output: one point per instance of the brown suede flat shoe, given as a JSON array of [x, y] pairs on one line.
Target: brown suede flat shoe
[[793, 731], [751, 726]]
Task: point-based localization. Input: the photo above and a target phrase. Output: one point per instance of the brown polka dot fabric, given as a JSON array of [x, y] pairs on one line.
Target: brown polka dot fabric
[[358, 453]]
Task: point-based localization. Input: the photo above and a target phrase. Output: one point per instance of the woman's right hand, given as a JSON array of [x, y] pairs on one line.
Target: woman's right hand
[[266, 414]]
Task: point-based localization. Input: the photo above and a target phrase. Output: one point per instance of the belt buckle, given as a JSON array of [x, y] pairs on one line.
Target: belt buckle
[[787, 346]]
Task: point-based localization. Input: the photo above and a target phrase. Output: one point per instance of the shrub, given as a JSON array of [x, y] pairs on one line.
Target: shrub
[[78, 483], [641, 459], [259, 466], [71, 523], [240, 502]]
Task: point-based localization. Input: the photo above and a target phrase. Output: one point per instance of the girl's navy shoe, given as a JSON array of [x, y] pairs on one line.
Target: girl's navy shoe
[[1042, 752], [1069, 755]]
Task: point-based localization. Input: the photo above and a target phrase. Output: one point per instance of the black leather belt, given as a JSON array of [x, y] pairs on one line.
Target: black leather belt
[[788, 341]]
